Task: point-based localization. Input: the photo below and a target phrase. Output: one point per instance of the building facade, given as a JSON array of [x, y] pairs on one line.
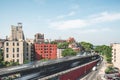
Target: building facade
[[16, 33], [14, 47], [116, 54], [59, 53], [14, 51], [2, 43], [39, 38], [45, 51], [29, 49]]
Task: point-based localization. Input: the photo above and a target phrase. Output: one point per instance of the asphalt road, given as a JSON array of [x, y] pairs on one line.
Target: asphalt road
[[93, 74]]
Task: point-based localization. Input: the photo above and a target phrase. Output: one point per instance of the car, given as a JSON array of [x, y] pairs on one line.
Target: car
[[94, 68]]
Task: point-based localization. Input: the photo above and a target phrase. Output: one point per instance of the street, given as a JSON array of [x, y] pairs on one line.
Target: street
[[93, 75]]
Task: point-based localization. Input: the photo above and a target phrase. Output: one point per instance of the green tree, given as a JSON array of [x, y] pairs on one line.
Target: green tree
[[1, 55], [106, 51], [87, 46], [68, 52], [53, 42], [26, 61], [63, 45]]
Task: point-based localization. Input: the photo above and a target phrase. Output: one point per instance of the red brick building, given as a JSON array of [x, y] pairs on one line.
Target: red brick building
[[45, 51]]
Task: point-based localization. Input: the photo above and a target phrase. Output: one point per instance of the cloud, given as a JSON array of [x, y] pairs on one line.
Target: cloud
[[105, 17], [72, 13], [69, 24], [87, 31], [80, 23]]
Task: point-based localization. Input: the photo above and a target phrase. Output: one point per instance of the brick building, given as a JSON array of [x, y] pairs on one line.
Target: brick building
[[45, 51]]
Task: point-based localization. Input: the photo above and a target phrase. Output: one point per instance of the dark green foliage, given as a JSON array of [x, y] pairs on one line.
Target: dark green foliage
[[63, 45], [1, 55], [105, 51], [87, 46], [68, 52]]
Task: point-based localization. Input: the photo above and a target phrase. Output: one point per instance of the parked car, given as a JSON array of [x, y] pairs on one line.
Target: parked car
[[94, 68]]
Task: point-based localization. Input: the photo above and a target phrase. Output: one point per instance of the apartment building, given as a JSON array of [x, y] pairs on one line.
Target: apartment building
[[14, 46], [14, 51], [45, 51], [29, 50], [116, 54], [39, 38]]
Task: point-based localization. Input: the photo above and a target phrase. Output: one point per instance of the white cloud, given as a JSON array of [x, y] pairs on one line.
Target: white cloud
[[80, 23], [87, 31], [69, 24], [72, 13]]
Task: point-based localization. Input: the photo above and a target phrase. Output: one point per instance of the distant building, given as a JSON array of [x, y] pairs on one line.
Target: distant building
[[59, 53], [17, 33], [45, 51], [14, 47], [74, 46], [71, 40], [39, 38], [29, 48], [2, 43], [59, 41], [116, 54]]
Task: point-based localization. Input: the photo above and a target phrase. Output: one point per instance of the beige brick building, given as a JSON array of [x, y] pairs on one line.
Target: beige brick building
[[15, 46], [14, 51], [116, 54]]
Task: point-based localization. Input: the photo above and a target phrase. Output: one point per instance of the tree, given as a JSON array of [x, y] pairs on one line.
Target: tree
[[63, 45], [1, 55], [68, 52], [87, 46], [105, 51], [26, 61], [53, 42]]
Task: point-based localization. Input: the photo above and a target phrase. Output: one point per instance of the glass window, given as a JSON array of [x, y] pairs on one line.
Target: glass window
[[17, 44], [17, 55], [13, 60], [7, 49], [17, 49], [27, 54], [7, 44], [13, 50], [13, 55], [18, 60], [7, 55], [13, 44]]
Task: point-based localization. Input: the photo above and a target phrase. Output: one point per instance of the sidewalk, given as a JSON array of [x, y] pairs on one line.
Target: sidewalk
[[101, 72]]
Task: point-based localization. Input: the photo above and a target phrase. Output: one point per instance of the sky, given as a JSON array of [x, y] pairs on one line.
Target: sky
[[94, 21]]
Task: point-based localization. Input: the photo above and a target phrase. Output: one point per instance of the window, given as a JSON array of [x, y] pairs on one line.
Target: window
[[27, 54], [114, 60], [115, 50], [18, 60], [17, 49], [13, 60], [7, 49], [17, 44], [13, 55], [13, 44], [17, 55], [13, 50], [7, 44], [7, 55]]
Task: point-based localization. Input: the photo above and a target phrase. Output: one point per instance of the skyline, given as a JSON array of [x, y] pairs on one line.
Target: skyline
[[93, 21]]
